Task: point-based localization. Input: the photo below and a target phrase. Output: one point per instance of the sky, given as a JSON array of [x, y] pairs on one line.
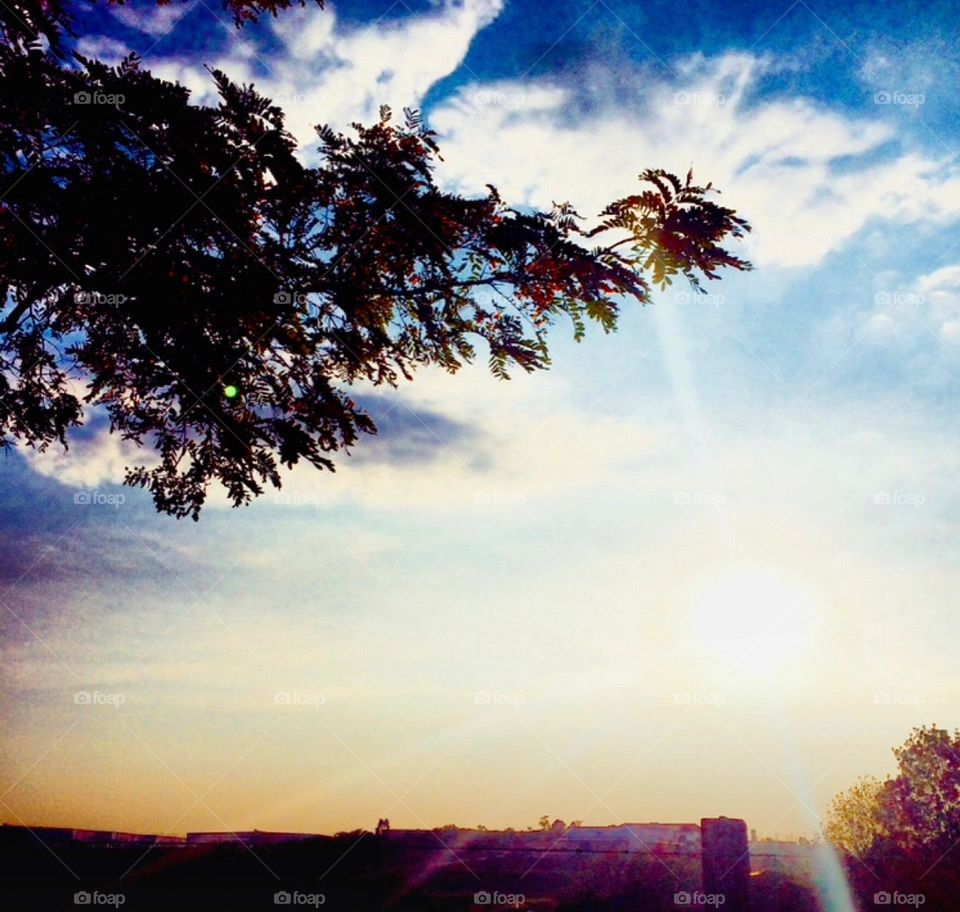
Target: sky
[[704, 565]]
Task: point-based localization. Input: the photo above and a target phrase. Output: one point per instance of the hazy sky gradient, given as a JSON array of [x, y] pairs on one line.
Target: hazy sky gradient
[[517, 600]]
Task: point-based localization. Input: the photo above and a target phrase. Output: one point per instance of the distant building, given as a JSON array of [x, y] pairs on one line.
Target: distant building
[[108, 838], [45, 834], [61, 835], [664, 839], [794, 859], [627, 838], [247, 837], [673, 838]]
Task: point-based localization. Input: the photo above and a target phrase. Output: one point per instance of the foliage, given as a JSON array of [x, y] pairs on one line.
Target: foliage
[[904, 833], [852, 819], [175, 267], [920, 807], [25, 21]]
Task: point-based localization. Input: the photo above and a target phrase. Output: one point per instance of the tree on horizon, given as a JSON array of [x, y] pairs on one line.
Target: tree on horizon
[[905, 830]]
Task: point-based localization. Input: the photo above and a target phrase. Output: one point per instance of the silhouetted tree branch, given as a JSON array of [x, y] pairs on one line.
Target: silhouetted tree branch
[[175, 266]]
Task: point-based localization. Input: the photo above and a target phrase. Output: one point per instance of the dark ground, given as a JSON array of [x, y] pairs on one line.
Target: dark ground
[[355, 873]]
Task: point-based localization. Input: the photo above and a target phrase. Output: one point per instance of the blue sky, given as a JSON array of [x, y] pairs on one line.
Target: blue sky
[[590, 570]]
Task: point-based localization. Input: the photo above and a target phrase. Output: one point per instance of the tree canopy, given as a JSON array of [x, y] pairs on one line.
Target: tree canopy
[[176, 267], [904, 831]]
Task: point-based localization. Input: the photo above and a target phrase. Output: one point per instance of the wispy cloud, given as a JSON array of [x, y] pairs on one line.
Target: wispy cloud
[[809, 178], [154, 21]]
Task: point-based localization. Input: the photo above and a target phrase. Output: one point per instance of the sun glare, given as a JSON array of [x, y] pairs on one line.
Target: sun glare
[[753, 619]]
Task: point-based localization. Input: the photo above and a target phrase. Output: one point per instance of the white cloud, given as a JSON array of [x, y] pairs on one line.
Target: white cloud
[[327, 72], [940, 292], [918, 67], [102, 48], [778, 161], [154, 21], [915, 311], [774, 159], [97, 459], [943, 283], [344, 75], [540, 141], [880, 324], [334, 74], [950, 331], [95, 456]]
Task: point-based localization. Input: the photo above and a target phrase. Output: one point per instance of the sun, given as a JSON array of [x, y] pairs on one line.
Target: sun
[[753, 619]]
